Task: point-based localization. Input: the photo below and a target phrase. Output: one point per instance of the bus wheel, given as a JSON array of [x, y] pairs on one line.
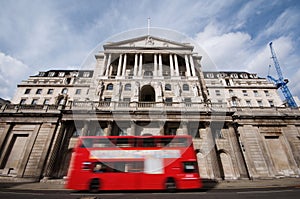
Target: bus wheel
[[170, 185], [94, 185]]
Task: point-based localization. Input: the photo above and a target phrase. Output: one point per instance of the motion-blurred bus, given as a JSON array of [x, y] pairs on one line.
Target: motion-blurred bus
[[134, 163]]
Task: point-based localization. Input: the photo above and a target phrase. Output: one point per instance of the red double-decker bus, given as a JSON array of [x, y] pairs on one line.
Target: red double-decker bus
[[134, 163]]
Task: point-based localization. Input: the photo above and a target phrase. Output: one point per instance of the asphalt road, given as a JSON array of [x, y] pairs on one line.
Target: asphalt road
[[273, 193]]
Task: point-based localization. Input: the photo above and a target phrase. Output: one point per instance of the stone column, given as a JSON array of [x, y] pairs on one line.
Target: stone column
[[119, 65], [192, 65], [187, 66], [161, 128], [184, 128], [239, 163], [124, 65], [171, 65], [109, 128], [107, 65], [54, 153], [211, 151], [132, 128], [176, 66], [85, 129], [102, 68], [160, 65], [135, 65], [140, 65], [155, 65]]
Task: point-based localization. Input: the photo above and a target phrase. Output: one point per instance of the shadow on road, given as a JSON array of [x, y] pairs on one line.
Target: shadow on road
[[208, 184]]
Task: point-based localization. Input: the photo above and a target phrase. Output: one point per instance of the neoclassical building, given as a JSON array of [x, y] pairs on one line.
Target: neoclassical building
[[149, 85]]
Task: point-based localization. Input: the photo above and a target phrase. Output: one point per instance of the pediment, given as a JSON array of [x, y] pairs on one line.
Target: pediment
[[147, 42]]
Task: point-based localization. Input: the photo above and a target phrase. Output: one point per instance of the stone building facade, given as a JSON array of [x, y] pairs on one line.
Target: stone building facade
[[240, 126]]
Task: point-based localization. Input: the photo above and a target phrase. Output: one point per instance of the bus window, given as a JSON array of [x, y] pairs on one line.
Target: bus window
[[149, 142], [86, 143], [99, 168], [190, 167], [173, 142], [178, 142], [119, 166], [101, 143], [124, 142]]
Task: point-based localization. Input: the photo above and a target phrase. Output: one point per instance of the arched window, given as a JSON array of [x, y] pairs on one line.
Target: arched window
[[64, 91], [148, 73], [110, 87], [168, 87], [127, 87], [185, 87]]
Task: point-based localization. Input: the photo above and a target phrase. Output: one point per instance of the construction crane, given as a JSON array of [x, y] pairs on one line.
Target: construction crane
[[281, 83]]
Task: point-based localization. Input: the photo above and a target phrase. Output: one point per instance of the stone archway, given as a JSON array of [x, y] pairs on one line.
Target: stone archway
[[147, 94]]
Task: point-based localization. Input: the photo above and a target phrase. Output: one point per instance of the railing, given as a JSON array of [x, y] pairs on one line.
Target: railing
[[18, 108], [142, 106]]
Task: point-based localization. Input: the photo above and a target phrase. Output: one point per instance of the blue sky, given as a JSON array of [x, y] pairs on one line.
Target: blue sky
[[59, 34]]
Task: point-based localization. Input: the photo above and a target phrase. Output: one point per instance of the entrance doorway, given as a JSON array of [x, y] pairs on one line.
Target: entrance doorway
[[147, 94]]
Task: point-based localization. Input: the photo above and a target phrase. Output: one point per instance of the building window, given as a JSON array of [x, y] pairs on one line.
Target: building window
[[127, 87], [61, 101], [78, 91], [86, 74], [185, 87], [64, 91], [255, 93], [110, 87], [126, 99], [38, 91], [34, 102], [271, 103], [218, 93], [267, 93], [227, 82], [51, 74], [259, 102], [61, 74], [210, 75], [248, 102], [169, 101], [107, 99], [46, 101], [188, 101], [50, 91], [245, 93], [148, 74], [168, 87], [234, 101], [41, 74], [23, 101], [27, 91]]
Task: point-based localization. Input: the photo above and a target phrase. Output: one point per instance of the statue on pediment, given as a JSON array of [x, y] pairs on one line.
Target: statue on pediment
[[149, 41]]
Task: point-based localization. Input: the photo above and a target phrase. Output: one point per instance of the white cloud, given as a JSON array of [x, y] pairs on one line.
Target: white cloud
[[11, 71], [284, 23], [227, 50]]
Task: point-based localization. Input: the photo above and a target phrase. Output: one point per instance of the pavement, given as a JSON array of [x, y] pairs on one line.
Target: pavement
[[207, 184]]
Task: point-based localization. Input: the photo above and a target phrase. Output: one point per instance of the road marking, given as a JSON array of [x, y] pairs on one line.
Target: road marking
[[270, 191]]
